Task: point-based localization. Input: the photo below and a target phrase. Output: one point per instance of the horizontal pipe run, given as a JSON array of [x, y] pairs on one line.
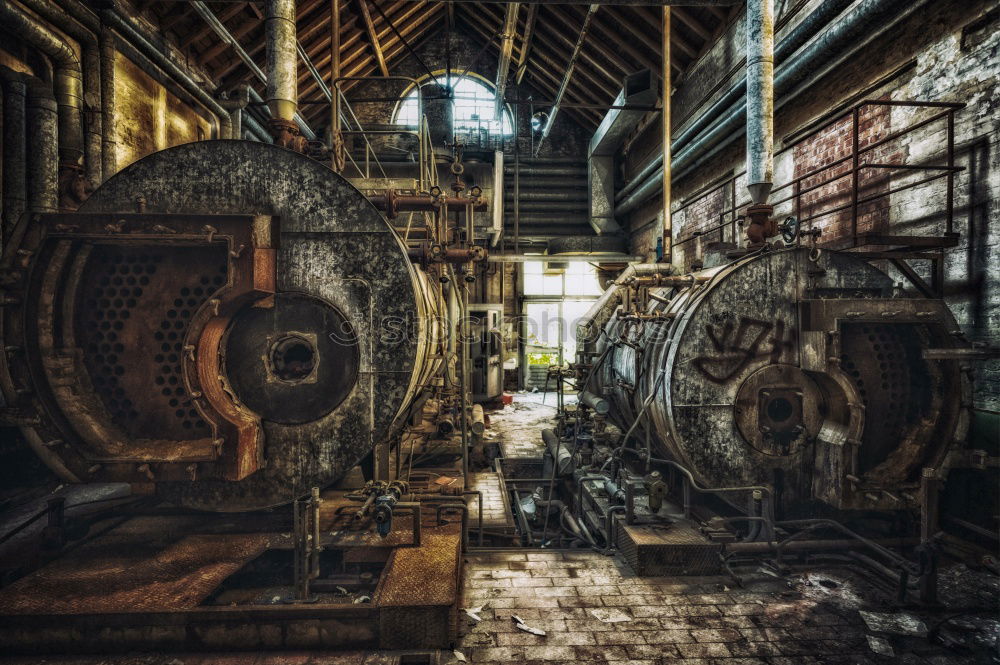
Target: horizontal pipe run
[[762, 547], [542, 182], [528, 221], [548, 195], [597, 257], [549, 171], [845, 34]]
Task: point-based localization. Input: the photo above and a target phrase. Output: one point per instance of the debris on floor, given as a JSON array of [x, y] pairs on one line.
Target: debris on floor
[[894, 623]]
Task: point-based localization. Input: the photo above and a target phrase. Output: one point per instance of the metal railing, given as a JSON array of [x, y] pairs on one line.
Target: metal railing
[[426, 172], [795, 189]]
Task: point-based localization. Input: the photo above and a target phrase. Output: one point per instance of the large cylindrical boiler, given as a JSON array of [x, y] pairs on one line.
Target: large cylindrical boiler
[[796, 369], [228, 322]]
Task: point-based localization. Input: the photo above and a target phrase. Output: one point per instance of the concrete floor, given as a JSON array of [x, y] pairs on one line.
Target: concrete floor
[[593, 609]]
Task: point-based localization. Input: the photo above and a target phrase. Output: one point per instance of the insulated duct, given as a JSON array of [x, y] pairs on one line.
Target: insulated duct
[[41, 113], [14, 148], [760, 99], [639, 90], [282, 72]]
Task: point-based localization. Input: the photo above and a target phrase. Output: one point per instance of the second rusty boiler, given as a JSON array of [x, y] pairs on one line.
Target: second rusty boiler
[[803, 370]]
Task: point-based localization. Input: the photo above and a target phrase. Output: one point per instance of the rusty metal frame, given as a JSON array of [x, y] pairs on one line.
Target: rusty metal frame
[[236, 447]]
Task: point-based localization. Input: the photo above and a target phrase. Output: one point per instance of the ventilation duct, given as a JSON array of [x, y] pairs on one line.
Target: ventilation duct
[[639, 90]]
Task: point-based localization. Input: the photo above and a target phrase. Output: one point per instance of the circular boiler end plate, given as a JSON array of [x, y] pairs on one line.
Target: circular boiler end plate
[[778, 409], [292, 363]]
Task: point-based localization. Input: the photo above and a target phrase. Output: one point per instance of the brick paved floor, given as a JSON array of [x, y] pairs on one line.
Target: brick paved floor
[[697, 621], [495, 513], [519, 425]]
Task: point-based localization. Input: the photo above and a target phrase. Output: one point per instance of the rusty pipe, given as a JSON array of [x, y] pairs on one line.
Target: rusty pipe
[[392, 204], [68, 83]]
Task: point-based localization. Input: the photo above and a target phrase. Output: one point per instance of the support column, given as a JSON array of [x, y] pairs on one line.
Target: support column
[[668, 229], [338, 159]]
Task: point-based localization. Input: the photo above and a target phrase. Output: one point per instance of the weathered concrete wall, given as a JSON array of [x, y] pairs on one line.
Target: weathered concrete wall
[[947, 51]]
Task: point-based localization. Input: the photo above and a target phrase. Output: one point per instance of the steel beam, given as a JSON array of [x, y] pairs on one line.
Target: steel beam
[[570, 66], [506, 51], [529, 32]]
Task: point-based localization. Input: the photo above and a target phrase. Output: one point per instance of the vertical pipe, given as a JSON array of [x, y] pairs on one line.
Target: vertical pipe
[[950, 222], [855, 170], [463, 387], [282, 66], [68, 87], [41, 113], [668, 229], [86, 35], [336, 143], [109, 144], [14, 149], [760, 99], [929, 526]]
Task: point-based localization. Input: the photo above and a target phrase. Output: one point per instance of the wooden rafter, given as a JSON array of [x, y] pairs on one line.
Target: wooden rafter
[[354, 62], [372, 36], [352, 43]]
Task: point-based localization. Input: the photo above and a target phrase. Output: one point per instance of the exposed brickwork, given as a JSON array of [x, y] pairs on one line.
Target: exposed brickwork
[[703, 214], [947, 51], [829, 147]]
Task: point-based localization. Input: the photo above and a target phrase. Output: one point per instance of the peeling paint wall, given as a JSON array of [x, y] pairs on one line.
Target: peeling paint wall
[[149, 117]]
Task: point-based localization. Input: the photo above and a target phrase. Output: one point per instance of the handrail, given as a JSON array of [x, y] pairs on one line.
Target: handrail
[[729, 216], [369, 151]]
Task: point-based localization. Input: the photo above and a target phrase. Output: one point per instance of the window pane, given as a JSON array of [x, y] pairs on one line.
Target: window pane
[[581, 280], [474, 109]]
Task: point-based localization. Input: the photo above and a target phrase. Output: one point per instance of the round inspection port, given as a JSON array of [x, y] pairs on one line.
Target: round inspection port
[[293, 358], [779, 409]]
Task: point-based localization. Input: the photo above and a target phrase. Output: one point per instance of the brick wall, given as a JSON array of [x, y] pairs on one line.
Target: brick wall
[[704, 213], [831, 145]]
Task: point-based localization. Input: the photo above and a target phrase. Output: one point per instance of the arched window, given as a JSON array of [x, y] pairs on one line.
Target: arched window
[[475, 109]]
